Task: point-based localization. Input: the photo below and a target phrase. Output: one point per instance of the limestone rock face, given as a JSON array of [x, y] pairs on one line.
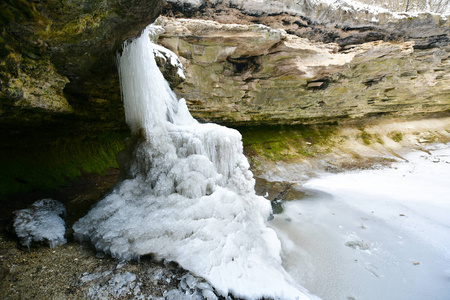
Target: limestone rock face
[[244, 74]]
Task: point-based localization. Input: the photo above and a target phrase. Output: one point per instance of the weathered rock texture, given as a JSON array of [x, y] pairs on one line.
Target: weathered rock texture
[[340, 21], [59, 88], [243, 74], [58, 58]]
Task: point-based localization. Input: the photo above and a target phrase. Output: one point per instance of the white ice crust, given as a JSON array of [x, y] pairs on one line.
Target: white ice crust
[[168, 55], [41, 223], [190, 197]]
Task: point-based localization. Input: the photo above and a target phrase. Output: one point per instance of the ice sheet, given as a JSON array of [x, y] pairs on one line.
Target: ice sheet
[[373, 234]]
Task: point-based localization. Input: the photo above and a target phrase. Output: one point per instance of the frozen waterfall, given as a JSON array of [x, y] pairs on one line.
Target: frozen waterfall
[[188, 195]]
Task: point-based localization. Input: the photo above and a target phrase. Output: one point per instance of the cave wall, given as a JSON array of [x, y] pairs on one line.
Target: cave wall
[[58, 58], [60, 103]]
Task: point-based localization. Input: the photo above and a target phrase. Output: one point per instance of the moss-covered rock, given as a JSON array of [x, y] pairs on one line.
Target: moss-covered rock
[[26, 167]]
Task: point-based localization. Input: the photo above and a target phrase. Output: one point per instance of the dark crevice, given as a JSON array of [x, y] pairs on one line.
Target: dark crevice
[[244, 64]]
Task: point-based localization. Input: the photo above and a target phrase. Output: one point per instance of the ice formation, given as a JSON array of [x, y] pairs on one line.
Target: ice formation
[[189, 195], [166, 54], [41, 222], [118, 285]]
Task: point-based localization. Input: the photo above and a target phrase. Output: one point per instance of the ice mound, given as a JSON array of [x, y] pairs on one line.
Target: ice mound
[[119, 285], [191, 288], [188, 195], [41, 222]]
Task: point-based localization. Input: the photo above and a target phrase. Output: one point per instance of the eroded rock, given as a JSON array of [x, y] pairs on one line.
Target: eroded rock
[[254, 74]]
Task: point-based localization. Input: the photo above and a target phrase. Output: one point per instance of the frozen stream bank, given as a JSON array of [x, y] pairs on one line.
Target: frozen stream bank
[[373, 234]]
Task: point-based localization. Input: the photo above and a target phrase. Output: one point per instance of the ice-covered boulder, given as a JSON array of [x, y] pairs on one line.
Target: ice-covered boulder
[[41, 223]]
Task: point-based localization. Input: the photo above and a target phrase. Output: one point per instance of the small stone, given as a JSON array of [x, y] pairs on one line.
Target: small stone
[[315, 85]]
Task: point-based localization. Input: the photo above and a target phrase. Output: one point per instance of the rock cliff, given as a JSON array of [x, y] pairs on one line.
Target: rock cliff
[[293, 70], [257, 62]]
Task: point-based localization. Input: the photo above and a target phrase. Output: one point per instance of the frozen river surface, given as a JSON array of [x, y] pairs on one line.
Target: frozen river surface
[[373, 234]]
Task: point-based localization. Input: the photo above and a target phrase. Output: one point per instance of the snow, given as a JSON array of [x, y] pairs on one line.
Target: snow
[[373, 234], [351, 5], [305, 7], [167, 54], [189, 196], [354, 6], [41, 222]]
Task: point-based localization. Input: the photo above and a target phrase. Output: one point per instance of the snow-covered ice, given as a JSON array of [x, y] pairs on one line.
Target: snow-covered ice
[[41, 223], [168, 55], [373, 234]]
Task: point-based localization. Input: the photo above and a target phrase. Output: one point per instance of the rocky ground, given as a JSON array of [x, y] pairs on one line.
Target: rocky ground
[[74, 271]]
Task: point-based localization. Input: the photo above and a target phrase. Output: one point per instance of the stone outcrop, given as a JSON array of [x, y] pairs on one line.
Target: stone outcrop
[[58, 66], [244, 74], [341, 21]]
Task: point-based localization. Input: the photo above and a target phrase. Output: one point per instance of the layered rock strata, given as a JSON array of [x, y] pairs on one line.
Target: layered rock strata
[[253, 74], [309, 63]]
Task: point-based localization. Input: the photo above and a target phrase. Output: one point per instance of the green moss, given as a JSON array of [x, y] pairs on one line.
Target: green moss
[[396, 136], [47, 167], [286, 142], [366, 137], [378, 139], [82, 23]]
